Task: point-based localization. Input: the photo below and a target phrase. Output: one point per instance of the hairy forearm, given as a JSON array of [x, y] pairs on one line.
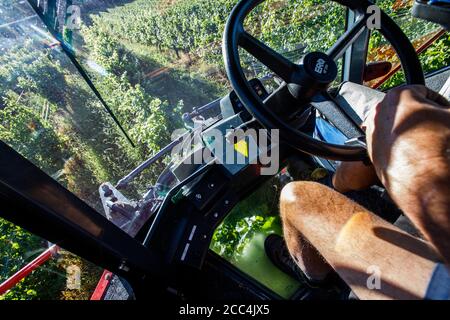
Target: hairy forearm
[[412, 159], [425, 199]]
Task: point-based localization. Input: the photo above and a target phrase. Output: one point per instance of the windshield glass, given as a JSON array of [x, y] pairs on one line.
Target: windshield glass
[[152, 61], [49, 114]]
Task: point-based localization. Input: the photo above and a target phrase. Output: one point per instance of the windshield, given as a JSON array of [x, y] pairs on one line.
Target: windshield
[[152, 62]]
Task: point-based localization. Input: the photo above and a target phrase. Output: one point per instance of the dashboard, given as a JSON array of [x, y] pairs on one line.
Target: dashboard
[[184, 226]]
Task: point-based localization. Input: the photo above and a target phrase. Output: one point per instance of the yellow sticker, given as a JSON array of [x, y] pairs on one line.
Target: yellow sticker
[[242, 147]]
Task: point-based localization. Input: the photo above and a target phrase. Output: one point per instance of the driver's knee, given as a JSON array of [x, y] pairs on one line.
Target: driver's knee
[[315, 210], [298, 199]]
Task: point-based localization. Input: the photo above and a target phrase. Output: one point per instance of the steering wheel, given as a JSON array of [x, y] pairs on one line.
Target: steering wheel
[[308, 80]]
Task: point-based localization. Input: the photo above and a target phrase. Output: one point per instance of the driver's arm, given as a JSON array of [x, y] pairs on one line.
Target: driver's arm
[[408, 139]]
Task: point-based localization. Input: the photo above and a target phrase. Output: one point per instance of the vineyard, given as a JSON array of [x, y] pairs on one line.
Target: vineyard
[[152, 60], [193, 28]]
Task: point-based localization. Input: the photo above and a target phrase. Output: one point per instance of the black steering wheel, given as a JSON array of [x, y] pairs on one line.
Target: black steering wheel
[[308, 80]]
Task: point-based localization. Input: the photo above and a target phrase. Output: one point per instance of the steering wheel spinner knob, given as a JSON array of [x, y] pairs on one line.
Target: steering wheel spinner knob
[[315, 73], [320, 67]]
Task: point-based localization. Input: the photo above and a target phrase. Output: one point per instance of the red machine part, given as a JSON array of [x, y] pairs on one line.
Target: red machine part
[[30, 267], [419, 50], [102, 285]]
